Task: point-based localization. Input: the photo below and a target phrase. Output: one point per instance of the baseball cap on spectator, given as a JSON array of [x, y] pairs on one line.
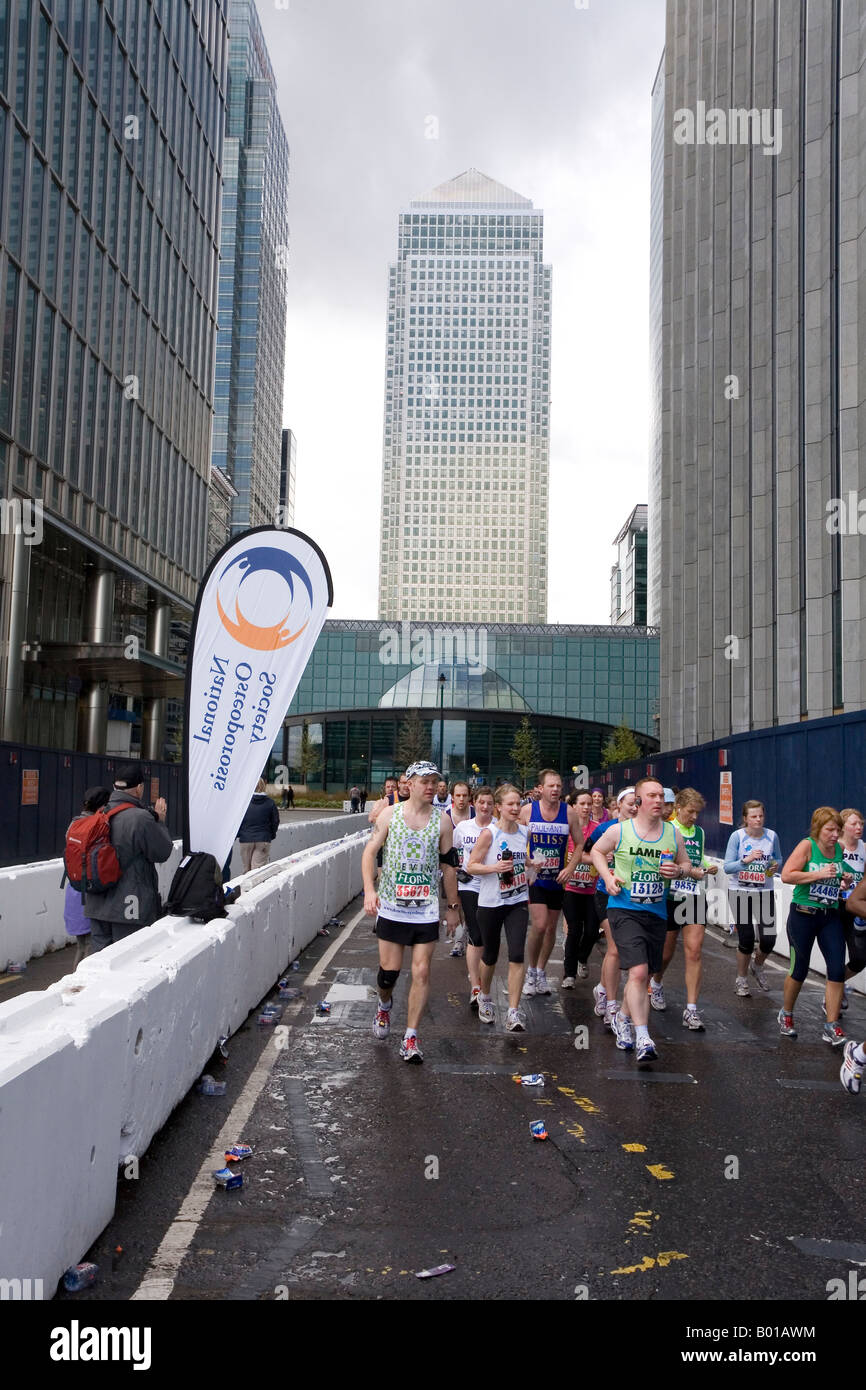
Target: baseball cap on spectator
[[130, 775]]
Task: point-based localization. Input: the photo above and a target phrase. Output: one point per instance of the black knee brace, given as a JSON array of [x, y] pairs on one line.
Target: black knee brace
[[387, 979]]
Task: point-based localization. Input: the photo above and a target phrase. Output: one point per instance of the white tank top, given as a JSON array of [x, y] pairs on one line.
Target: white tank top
[[490, 893]]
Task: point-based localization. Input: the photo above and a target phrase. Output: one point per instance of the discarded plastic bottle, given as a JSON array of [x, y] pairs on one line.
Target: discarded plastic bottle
[[225, 1177], [208, 1087], [282, 984], [223, 1045], [537, 1129], [296, 965], [237, 1152], [78, 1277], [323, 1007], [16, 967], [535, 1078]]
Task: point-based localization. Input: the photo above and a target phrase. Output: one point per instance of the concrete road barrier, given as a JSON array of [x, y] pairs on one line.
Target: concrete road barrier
[[93, 1066]]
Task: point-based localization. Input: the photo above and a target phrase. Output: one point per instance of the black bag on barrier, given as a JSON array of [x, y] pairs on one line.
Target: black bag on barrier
[[197, 889]]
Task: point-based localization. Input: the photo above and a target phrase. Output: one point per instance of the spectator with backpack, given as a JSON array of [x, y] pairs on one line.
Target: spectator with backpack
[[258, 828], [140, 840], [77, 924]]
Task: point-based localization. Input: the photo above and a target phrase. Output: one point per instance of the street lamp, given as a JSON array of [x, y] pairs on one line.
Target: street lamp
[[442, 719]]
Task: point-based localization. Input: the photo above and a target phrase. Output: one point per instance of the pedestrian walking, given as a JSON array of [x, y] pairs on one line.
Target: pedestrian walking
[[141, 840], [258, 828]]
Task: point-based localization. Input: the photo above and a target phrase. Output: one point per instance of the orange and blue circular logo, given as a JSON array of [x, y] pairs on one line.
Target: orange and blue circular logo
[[259, 602]]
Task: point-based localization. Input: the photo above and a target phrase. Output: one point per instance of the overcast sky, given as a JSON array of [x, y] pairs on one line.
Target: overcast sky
[[553, 101]]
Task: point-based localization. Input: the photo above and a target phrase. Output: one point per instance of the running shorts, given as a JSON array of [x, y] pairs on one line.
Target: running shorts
[[550, 895], [639, 937], [406, 933]]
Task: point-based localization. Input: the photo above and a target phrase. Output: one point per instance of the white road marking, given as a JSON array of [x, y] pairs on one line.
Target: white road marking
[[159, 1281], [321, 966]]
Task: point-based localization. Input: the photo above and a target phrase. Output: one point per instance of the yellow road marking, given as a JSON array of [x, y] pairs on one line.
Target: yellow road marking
[[663, 1259], [659, 1171], [583, 1101], [635, 1148]]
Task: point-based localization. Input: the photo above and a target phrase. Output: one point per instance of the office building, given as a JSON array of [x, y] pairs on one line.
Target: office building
[[762, 403], [254, 248], [111, 129], [288, 467], [467, 392], [628, 580], [657, 202]]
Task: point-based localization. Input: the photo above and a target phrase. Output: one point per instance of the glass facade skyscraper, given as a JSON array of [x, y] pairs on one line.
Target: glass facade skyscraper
[[251, 341], [467, 403], [111, 129]]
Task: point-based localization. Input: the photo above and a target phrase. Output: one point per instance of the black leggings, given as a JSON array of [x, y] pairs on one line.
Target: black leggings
[[750, 910], [515, 919], [804, 929], [855, 940], [469, 903], [583, 930]]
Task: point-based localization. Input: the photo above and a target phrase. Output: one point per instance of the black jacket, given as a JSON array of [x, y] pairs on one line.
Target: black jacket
[[261, 822]]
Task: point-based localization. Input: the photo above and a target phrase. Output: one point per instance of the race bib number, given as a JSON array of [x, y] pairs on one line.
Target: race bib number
[[754, 875], [647, 886], [684, 885], [825, 890], [583, 876], [856, 876], [413, 889], [550, 856]]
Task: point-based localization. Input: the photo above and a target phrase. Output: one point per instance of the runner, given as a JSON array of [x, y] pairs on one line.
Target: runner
[[818, 871], [500, 859], [466, 834], [670, 800], [416, 838], [549, 821], [606, 991], [388, 797], [648, 854], [752, 860], [598, 806], [579, 879], [854, 1060], [854, 854], [442, 801], [687, 908], [461, 809]]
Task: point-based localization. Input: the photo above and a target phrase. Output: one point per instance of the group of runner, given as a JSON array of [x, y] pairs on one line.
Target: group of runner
[[635, 873]]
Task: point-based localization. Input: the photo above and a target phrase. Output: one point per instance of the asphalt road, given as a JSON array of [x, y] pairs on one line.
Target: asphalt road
[[733, 1171]]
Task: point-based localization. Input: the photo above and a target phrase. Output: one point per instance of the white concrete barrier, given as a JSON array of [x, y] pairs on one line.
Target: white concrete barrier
[[92, 1067], [31, 899], [719, 915]]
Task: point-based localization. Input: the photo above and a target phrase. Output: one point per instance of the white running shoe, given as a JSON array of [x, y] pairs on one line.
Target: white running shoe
[[582, 971], [599, 994], [485, 1010], [474, 996], [851, 1072], [514, 1022], [610, 1012], [382, 1023], [624, 1033], [741, 988], [541, 983], [529, 982], [657, 995], [760, 975], [567, 982], [693, 1020], [410, 1051]]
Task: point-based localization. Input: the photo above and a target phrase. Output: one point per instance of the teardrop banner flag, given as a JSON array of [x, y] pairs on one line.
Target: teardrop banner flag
[[259, 612]]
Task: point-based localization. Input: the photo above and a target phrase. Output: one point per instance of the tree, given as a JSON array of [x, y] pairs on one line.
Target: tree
[[524, 753], [309, 758], [413, 741], [621, 747]]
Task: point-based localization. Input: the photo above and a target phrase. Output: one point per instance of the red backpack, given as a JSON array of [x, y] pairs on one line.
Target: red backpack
[[90, 859]]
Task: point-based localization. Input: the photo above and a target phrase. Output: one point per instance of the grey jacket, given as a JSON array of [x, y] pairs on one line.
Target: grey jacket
[[140, 841]]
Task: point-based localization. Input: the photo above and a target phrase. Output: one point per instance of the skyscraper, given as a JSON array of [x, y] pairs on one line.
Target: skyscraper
[[657, 208], [254, 236], [762, 402], [467, 392], [111, 130], [288, 465]]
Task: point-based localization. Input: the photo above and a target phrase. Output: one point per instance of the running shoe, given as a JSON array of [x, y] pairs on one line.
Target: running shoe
[[610, 1013], [410, 1051], [657, 995], [760, 976], [693, 1020], [599, 994], [833, 1033], [741, 989], [646, 1053], [485, 1010], [567, 982], [851, 1072], [624, 1033], [514, 1023], [529, 983], [541, 983], [474, 996], [382, 1023], [582, 971], [458, 949], [786, 1024]]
